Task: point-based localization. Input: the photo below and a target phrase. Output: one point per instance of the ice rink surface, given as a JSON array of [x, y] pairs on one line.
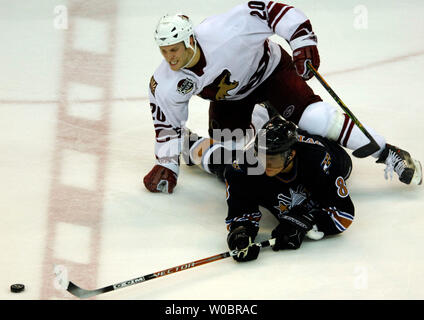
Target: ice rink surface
[[77, 139]]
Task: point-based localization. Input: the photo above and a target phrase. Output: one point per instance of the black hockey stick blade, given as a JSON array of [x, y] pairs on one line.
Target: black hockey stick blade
[[366, 150], [83, 293]]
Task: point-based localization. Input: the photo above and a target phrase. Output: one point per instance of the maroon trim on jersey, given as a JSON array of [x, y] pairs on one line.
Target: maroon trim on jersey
[[349, 131], [260, 71], [165, 133], [163, 126], [175, 159], [200, 65], [166, 139], [300, 31], [339, 140], [279, 18], [274, 15], [346, 131], [346, 120]]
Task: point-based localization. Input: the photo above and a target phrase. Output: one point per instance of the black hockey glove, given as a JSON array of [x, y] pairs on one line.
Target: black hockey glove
[[240, 238], [292, 229]]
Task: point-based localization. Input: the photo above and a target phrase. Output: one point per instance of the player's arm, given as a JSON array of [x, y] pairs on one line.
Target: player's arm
[[168, 118], [292, 25], [330, 190], [243, 214], [333, 214], [329, 211], [337, 211]]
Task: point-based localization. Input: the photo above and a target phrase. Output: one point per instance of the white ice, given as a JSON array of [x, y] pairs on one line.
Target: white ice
[[373, 57]]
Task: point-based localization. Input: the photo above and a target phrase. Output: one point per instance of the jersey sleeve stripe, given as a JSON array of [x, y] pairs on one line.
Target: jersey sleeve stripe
[[348, 132], [276, 12], [164, 135], [277, 20], [167, 159], [163, 126], [347, 128], [341, 220], [273, 11], [270, 5], [251, 217], [163, 140]]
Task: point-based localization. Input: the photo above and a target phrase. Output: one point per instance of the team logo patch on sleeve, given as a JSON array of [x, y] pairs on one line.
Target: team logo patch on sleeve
[[153, 85], [236, 165], [185, 86], [288, 111], [326, 162]]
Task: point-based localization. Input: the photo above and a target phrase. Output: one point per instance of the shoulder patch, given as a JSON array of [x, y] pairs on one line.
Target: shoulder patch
[[236, 165], [185, 86], [288, 111], [153, 85]]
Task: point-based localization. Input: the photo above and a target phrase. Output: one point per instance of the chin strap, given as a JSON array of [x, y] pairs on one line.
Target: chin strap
[[194, 54], [288, 160]]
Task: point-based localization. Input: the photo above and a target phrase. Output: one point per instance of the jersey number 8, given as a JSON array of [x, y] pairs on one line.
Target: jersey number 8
[[342, 190]]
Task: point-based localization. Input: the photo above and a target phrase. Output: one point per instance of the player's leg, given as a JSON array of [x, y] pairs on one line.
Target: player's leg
[[290, 95], [339, 127]]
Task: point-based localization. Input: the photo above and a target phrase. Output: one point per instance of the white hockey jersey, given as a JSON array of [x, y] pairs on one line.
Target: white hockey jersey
[[237, 57]]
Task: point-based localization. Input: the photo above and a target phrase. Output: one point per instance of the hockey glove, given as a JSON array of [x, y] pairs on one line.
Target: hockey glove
[[301, 56], [240, 239], [292, 229], [160, 179], [304, 46]]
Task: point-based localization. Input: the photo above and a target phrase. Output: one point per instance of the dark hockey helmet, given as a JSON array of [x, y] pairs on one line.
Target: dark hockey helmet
[[277, 136]]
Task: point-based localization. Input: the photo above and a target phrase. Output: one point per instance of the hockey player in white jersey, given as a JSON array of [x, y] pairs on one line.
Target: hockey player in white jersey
[[229, 60]]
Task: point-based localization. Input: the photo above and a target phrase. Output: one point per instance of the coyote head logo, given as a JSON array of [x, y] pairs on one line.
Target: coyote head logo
[[218, 89]]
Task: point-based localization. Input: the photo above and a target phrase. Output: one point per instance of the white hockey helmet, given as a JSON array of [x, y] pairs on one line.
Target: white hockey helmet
[[173, 29]]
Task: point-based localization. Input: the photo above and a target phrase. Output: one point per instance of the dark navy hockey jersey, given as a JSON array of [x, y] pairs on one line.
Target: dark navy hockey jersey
[[317, 181]]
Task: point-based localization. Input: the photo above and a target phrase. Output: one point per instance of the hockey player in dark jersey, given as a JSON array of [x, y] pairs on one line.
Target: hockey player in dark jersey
[[303, 186]]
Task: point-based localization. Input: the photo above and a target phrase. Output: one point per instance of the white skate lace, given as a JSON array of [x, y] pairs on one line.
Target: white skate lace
[[394, 163]]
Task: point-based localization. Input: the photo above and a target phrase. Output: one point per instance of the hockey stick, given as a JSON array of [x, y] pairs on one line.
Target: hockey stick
[[83, 293], [365, 150]]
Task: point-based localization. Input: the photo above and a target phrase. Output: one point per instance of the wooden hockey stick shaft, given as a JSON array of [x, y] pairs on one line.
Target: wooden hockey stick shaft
[[83, 293], [365, 150]]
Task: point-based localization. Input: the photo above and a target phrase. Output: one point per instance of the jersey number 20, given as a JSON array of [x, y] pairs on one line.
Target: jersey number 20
[[258, 9]]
